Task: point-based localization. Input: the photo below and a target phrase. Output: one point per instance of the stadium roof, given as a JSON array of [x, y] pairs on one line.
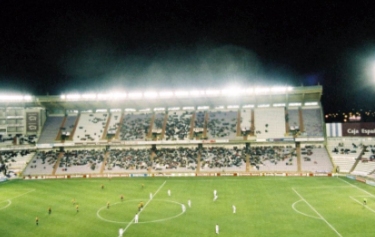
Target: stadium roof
[[142, 100]]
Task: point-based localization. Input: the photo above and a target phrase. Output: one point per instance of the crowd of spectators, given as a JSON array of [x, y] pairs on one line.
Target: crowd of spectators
[[261, 155], [175, 158], [223, 157], [135, 126], [129, 159], [178, 125], [222, 124], [82, 158]]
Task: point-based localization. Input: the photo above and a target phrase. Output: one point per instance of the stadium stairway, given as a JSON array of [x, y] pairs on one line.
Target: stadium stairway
[[119, 127], [102, 168], [58, 137], [149, 135], [104, 134], [61, 155], [298, 152], [75, 127], [359, 158], [191, 132], [205, 125], [164, 126]]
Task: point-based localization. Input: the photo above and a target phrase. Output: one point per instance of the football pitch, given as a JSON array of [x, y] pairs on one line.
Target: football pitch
[[265, 206]]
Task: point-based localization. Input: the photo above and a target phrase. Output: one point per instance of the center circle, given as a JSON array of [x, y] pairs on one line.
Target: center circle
[[140, 222], [7, 205]]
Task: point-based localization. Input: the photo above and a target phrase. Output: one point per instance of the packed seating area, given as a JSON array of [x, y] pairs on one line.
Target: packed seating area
[[175, 159], [81, 161], [222, 124], [178, 125], [273, 158], [227, 158], [128, 160], [135, 126]]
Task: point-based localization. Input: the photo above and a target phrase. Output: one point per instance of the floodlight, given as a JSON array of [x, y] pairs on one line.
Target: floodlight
[[101, 111], [63, 97], [181, 93], [174, 108], [150, 94], [159, 109], [135, 95], [233, 106], [249, 90], [166, 94], [219, 107], [196, 93], [145, 110], [311, 103], [295, 104], [27, 97], [103, 96], [263, 106], [212, 92], [203, 107], [130, 110], [232, 92], [73, 96], [188, 108], [117, 95], [261, 90], [279, 105], [278, 89], [248, 106], [89, 96]]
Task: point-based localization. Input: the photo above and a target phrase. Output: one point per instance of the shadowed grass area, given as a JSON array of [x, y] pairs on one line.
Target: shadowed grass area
[[266, 206]]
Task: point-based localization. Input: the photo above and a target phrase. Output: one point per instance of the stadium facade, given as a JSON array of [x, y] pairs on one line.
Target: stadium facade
[[246, 131]]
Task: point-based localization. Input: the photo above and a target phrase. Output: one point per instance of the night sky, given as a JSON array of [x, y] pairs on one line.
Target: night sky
[[54, 47]]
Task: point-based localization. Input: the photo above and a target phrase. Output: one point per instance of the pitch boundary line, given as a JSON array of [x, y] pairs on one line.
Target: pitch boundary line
[[321, 217], [132, 221], [368, 208], [372, 195]]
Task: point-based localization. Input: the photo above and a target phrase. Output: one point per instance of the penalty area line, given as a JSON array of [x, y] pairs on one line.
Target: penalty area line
[[321, 217]]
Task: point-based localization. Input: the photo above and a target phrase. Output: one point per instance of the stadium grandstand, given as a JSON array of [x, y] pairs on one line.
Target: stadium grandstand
[[248, 131]]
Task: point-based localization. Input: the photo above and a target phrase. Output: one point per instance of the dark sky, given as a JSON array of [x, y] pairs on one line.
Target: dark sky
[[57, 47]]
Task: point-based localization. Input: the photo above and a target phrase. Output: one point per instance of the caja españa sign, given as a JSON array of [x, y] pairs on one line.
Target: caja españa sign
[[358, 129]]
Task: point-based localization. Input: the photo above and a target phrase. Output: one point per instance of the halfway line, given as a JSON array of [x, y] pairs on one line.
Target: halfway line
[[131, 222]]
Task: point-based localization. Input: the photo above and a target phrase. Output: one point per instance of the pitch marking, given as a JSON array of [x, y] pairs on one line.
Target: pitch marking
[[321, 217], [126, 222]]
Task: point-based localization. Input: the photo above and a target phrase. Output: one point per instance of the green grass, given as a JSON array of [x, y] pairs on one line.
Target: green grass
[[266, 206]]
